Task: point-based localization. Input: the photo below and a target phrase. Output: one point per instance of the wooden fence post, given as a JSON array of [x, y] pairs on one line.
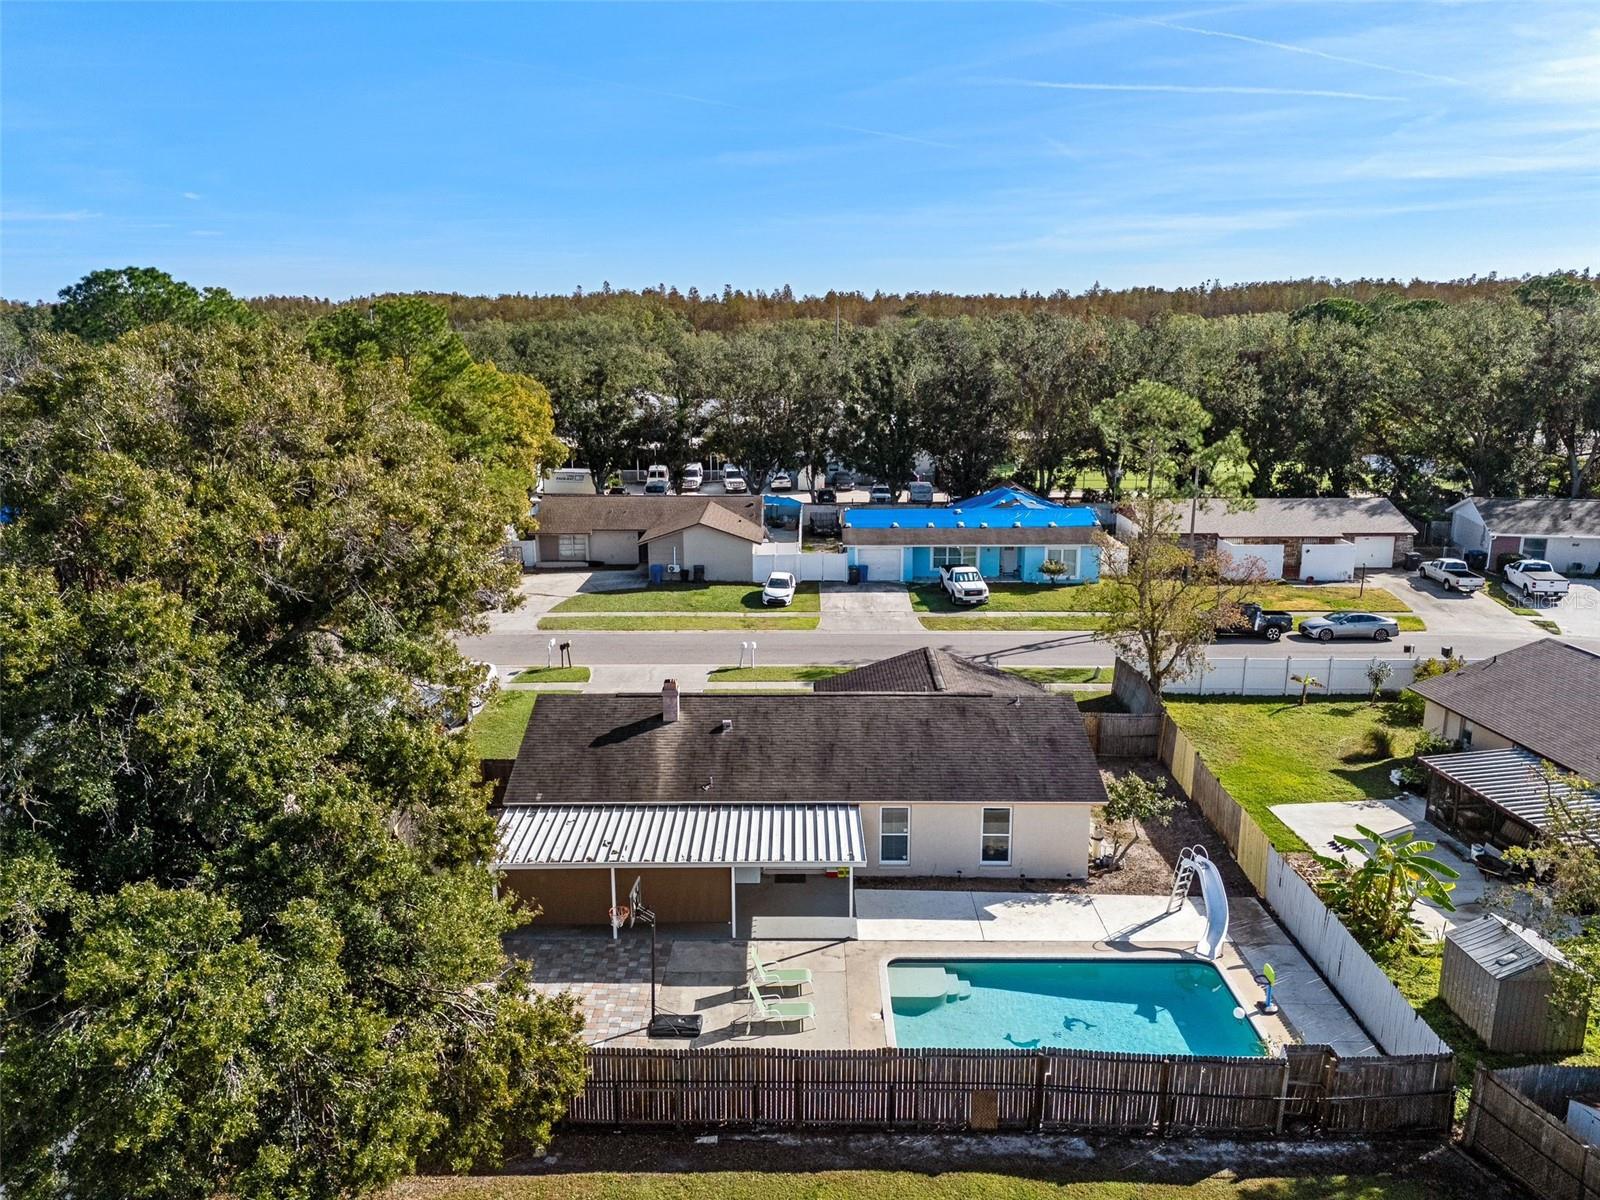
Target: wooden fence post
[[1283, 1099], [1164, 1099], [1330, 1070], [799, 1092], [1474, 1106], [1041, 1078]]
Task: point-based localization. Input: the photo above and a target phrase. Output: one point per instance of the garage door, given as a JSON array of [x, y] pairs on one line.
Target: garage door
[[574, 547], [1374, 551], [882, 562]]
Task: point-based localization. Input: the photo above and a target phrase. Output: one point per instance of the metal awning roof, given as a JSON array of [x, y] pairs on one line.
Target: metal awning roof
[[1513, 780], [821, 835]]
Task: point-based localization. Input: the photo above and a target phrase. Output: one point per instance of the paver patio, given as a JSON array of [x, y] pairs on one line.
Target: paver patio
[[707, 974]]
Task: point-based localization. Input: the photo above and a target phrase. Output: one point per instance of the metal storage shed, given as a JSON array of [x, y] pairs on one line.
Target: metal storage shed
[[1498, 978]]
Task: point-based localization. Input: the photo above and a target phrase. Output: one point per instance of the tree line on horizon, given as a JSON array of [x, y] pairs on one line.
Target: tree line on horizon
[[1377, 389]]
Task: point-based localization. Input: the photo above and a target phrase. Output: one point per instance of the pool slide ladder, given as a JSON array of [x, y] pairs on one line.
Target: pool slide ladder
[[1192, 862]]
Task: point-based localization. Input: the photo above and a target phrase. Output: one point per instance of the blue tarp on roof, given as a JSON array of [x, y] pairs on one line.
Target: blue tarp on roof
[[1000, 508], [782, 501]]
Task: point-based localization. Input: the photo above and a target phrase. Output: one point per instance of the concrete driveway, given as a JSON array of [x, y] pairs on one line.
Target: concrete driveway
[[1578, 614], [867, 608], [543, 590], [1319, 824], [1449, 614]]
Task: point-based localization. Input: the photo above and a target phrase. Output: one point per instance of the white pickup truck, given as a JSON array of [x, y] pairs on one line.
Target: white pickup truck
[[1452, 574], [1535, 578], [964, 585]]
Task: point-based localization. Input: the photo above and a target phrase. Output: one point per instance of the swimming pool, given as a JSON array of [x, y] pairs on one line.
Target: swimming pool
[[1139, 1006]]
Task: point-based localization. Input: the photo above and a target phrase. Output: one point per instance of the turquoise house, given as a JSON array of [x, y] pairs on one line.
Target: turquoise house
[[1007, 533]]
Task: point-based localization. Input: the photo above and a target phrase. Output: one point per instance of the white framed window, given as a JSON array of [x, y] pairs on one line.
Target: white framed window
[[574, 547], [994, 848], [1535, 547], [1065, 554], [894, 835], [955, 556]]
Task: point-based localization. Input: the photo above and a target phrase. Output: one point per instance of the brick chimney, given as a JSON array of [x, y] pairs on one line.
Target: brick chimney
[[669, 701]]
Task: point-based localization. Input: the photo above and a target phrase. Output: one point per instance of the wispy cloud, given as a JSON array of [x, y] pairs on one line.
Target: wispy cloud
[[1196, 89], [25, 215], [191, 195], [1291, 48]]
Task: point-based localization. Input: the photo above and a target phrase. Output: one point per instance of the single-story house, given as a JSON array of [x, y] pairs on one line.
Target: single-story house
[[756, 812], [1566, 533], [1513, 715], [1320, 538], [1007, 533], [716, 532]]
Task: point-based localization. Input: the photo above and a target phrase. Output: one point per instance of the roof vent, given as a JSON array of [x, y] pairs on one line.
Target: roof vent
[[894, 524], [955, 510], [961, 524], [726, 726], [983, 524], [1052, 524]]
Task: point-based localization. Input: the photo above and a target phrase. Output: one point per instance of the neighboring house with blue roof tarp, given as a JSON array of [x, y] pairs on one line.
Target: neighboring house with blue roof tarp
[[1007, 533]]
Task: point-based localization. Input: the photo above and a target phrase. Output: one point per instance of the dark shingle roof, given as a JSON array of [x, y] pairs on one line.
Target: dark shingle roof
[[1544, 696], [845, 749], [585, 514], [1540, 516], [929, 670]]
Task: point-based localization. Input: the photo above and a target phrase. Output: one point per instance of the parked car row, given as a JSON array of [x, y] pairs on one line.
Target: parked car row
[[1251, 620]]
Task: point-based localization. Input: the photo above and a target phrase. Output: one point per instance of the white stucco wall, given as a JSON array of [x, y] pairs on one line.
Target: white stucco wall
[[1439, 720], [1048, 841], [725, 557]]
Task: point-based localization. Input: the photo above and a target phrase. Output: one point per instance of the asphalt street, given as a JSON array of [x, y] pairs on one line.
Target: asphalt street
[[520, 648]]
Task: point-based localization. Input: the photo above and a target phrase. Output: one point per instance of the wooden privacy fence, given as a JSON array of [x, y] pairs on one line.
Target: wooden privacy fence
[[983, 1090], [1515, 1121], [1321, 936], [1122, 735]]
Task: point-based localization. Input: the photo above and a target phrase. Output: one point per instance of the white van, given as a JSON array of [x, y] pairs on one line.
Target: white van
[[921, 491], [569, 481], [733, 481], [693, 476]]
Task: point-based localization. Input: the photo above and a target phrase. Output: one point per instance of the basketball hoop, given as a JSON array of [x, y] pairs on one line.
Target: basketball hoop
[[620, 914]]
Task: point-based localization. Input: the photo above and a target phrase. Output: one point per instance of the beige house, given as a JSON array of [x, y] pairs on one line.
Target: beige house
[[712, 532], [758, 812], [1519, 718]]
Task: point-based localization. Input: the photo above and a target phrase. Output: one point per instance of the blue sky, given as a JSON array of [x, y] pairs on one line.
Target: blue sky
[[342, 149]]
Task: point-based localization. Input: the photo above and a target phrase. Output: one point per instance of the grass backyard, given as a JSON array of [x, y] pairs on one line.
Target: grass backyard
[[687, 597], [1270, 750], [1061, 674], [683, 621], [910, 1185], [497, 731]]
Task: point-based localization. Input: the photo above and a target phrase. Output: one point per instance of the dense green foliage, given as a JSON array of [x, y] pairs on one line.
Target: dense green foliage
[[248, 941], [1422, 392]]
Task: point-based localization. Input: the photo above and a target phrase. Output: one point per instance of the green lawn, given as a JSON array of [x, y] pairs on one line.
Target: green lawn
[[687, 597], [552, 675], [1497, 593], [1330, 597], [1000, 622], [1089, 698], [686, 621], [497, 731], [909, 1185], [1061, 674], [775, 674], [1548, 626], [1270, 750], [1020, 597]]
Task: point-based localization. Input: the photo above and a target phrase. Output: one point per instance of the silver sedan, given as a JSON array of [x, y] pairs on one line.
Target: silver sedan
[[1350, 625]]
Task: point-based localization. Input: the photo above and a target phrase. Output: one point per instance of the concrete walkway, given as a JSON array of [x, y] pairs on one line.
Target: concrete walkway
[[867, 608], [1319, 824]]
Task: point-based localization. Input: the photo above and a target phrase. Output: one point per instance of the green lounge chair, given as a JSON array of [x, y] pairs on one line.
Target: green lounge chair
[[778, 977], [764, 1008]]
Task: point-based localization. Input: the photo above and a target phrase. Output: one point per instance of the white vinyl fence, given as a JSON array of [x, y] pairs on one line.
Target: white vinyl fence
[[1349, 970], [1248, 676], [804, 566]]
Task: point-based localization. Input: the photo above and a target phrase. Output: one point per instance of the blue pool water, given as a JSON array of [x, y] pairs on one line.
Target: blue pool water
[[1143, 1007]]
